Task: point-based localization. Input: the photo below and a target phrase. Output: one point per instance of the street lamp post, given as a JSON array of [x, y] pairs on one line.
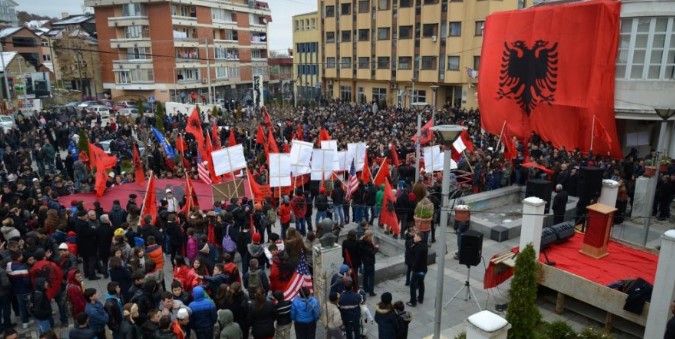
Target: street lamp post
[[446, 134], [434, 89]]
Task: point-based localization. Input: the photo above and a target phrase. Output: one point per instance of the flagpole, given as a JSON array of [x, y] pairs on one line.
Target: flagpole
[[467, 160], [592, 132], [499, 140], [417, 146], [146, 193]]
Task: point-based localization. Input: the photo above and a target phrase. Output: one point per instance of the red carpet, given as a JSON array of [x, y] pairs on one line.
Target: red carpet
[[622, 262]]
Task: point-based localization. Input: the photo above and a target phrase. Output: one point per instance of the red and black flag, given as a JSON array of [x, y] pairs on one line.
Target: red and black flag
[[549, 69]]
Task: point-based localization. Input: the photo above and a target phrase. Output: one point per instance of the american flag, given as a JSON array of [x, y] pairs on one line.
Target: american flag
[[353, 181], [300, 278], [203, 170]]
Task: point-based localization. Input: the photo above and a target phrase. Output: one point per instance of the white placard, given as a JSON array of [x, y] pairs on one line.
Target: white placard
[[357, 152], [301, 156], [342, 161], [228, 159], [280, 169], [332, 145], [322, 164], [433, 159]]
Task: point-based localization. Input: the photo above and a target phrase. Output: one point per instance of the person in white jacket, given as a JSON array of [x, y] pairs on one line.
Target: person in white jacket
[[331, 319]]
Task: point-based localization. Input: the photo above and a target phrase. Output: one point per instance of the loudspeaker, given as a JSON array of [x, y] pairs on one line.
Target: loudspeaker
[[541, 189], [471, 248], [589, 183], [563, 231], [548, 237]]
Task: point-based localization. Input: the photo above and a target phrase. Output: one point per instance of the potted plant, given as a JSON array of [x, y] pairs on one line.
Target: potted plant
[[424, 212], [664, 163]]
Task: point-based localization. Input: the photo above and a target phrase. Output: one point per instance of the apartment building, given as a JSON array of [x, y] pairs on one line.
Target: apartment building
[[8, 13], [394, 51], [24, 41], [169, 49], [307, 57]]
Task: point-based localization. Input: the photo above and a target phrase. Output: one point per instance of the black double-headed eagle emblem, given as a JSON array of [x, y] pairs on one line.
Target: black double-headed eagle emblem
[[529, 75]]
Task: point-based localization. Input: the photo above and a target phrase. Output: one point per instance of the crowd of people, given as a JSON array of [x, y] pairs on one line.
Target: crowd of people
[[229, 263]]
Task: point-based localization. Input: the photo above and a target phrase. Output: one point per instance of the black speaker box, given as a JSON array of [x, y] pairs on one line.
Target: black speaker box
[[563, 231], [541, 189], [548, 237], [471, 248], [589, 183]]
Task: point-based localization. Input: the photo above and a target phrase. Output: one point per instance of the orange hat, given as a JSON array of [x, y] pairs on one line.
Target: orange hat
[[256, 238], [322, 190], [257, 206]]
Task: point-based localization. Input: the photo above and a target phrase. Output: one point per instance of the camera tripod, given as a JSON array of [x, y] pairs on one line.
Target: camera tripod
[[467, 287]]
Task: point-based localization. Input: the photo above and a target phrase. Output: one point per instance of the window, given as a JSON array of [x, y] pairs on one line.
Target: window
[[346, 93], [637, 59], [455, 28], [140, 53], [379, 94], [260, 70], [429, 30], [330, 36], [345, 36], [122, 77], [430, 2], [404, 62], [405, 3], [222, 53], [186, 11], [476, 62], [231, 35], [330, 62], [364, 34], [383, 5], [364, 63], [23, 42], [136, 32], [188, 74], [297, 24], [346, 62], [453, 63], [221, 72], [233, 72], [134, 76], [312, 24], [218, 14], [46, 57], [364, 6], [419, 95], [405, 32], [345, 9], [383, 33], [134, 10], [429, 62], [330, 11], [362, 95], [257, 54], [382, 62], [479, 28]]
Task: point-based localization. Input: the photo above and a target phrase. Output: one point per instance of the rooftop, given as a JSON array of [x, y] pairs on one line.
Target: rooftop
[[7, 57], [73, 20], [9, 31]]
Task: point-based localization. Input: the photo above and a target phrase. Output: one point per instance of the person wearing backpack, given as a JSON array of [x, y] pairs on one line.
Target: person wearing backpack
[[305, 312], [284, 212], [255, 278], [40, 305], [51, 272], [113, 307]]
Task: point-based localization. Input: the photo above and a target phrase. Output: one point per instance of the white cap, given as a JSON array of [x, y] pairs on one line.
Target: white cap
[[63, 246], [168, 190], [182, 313]]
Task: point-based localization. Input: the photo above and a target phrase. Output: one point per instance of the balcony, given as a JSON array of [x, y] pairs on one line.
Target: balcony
[[123, 21]]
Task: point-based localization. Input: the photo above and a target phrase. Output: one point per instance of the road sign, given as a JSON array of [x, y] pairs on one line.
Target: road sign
[[151, 100]]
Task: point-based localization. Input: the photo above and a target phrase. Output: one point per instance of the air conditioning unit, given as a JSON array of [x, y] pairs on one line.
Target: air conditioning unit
[[393, 85], [204, 81], [434, 38]]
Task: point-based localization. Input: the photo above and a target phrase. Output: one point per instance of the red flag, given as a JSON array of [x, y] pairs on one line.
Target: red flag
[[299, 133], [150, 200], [510, 151], [99, 157], [272, 143], [323, 135], [600, 134], [394, 155], [388, 214], [138, 167], [256, 190], [194, 127], [207, 157], [180, 144], [190, 196], [383, 174], [425, 133], [285, 147], [232, 140], [260, 136], [554, 79], [215, 136], [461, 144], [101, 179], [365, 173], [266, 118]]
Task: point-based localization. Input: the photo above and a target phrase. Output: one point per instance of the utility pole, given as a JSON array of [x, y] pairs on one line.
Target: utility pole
[[208, 70], [5, 72]]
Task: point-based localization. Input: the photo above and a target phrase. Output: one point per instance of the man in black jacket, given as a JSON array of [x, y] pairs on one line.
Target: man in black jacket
[[113, 306], [419, 252], [559, 204]]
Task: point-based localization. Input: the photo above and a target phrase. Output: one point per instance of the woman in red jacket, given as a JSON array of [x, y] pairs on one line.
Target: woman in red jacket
[[284, 212]]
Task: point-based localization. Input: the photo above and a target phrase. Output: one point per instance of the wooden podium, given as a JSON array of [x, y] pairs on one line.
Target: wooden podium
[[600, 221]]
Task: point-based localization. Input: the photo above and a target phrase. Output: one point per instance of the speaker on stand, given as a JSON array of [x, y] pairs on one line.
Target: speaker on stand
[[589, 186], [541, 189], [470, 254]]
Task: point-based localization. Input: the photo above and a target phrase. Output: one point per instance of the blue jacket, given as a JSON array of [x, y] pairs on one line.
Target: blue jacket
[[305, 310], [350, 306], [98, 318], [18, 275], [215, 281], [203, 310]]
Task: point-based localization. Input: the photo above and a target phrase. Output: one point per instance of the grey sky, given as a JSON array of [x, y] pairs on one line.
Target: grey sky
[[280, 33]]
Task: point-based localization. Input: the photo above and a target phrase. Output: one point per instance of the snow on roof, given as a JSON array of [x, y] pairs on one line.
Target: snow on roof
[[36, 23], [7, 57], [9, 31], [73, 20]]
